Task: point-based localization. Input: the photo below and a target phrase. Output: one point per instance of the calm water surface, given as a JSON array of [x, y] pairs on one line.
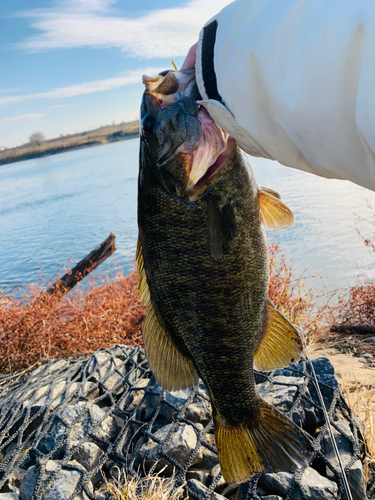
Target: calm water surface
[[61, 207]]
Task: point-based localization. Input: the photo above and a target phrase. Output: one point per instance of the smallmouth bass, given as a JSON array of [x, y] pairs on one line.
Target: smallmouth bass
[[203, 276]]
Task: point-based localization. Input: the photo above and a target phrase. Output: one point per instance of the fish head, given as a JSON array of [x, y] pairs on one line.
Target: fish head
[[181, 145]]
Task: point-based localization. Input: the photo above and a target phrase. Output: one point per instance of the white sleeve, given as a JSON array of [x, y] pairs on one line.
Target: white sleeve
[[294, 81]]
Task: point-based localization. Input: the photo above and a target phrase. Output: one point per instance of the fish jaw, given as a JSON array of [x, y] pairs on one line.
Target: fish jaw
[[183, 133], [169, 87]]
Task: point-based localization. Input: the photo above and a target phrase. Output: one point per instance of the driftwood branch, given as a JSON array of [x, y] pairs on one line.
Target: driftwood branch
[[360, 329], [84, 267]]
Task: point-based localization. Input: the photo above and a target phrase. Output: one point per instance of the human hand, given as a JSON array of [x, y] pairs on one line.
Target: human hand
[[190, 58]]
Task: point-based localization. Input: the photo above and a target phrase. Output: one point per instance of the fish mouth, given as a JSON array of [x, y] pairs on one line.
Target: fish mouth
[[191, 131], [169, 86]]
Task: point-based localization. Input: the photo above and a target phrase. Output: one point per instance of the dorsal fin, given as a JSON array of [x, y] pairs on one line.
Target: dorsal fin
[[274, 213], [172, 370], [281, 344]]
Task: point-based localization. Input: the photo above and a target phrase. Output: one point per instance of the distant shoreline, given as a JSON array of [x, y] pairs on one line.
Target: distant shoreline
[[103, 135]]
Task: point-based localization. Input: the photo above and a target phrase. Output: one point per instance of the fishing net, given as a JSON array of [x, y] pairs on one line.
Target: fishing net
[[67, 425]]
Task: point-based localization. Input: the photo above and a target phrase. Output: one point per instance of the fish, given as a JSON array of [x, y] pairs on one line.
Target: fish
[[203, 272]]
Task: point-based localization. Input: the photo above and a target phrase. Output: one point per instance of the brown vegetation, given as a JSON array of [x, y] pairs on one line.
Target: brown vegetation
[[101, 135], [294, 295], [151, 487], [39, 327]]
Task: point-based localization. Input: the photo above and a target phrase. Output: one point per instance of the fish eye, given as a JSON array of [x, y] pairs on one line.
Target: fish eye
[[148, 123]]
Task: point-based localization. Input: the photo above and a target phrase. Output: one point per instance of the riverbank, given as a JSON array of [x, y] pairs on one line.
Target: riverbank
[[102, 135]]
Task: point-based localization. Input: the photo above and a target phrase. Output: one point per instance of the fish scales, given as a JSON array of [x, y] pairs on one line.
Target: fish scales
[[203, 265], [215, 306]]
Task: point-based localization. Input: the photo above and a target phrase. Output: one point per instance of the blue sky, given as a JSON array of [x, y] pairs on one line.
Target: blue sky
[[73, 65]]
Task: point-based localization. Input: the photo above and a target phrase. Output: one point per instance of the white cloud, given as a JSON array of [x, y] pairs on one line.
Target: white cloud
[[93, 23], [21, 118], [56, 106], [134, 76]]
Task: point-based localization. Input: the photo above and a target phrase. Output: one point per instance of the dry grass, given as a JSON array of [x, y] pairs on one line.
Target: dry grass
[[152, 487], [303, 305], [358, 306], [362, 401], [39, 327]]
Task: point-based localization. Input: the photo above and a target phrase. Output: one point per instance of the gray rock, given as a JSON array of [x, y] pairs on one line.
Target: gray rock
[[282, 393], [89, 390], [357, 482], [313, 485], [81, 496], [177, 399], [345, 447], [209, 459], [280, 380], [135, 396], [13, 483], [281, 397], [325, 372], [88, 455], [51, 397], [272, 497], [62, 488], [108, 369], [278, 483], [198, 412], [9, 496], [221, 483], [28, 484], [88, 417], [316, 487], [180, 446], [197, 487], [64, 485], [200, 475], [45, 370]]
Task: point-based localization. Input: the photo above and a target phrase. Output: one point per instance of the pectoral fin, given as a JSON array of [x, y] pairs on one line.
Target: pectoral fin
[[215, 236], [281, 344], [221, 226], [274, 213], [172, 370]]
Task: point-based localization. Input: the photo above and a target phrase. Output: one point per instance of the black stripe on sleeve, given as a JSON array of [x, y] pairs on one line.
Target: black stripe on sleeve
[[208, 71]]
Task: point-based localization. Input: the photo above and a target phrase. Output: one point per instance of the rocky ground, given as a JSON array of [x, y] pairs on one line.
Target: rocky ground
[[67, 424]]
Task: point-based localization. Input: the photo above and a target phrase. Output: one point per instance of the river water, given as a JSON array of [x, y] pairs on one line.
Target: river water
[[61, 207]]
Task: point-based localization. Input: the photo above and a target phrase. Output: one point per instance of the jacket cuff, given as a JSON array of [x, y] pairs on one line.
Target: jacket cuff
[[204, 68]]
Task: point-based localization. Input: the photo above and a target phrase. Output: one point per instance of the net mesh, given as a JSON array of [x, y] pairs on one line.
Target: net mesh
[[74, 421]]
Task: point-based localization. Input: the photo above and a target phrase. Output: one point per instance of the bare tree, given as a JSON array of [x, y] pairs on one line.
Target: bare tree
[[37, 139]]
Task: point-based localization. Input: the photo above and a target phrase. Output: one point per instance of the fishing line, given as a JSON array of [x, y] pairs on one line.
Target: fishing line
[[326, 416]]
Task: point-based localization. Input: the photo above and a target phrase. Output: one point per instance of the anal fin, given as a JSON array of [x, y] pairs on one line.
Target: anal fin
[[281, 344], [172, 370]]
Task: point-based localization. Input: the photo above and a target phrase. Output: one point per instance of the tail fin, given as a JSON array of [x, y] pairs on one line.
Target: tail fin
[[267, 442]]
